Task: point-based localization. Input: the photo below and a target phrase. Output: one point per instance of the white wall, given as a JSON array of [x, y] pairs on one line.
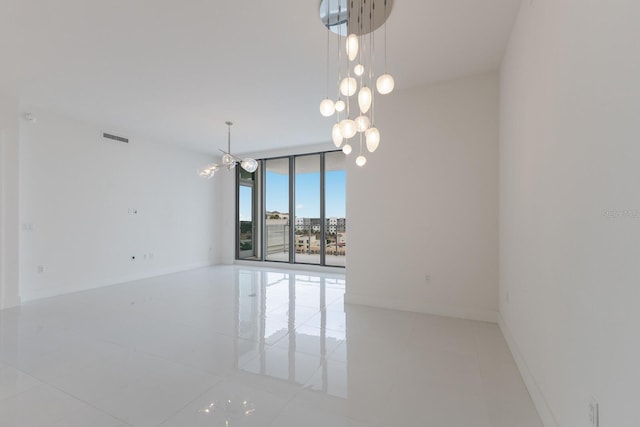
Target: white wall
[[77, 189], [225, 181], [9, 205], [570, 207], [426, 203]]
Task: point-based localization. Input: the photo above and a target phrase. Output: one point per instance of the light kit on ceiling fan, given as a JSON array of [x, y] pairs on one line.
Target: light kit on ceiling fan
[[229, 161], [354, 21]]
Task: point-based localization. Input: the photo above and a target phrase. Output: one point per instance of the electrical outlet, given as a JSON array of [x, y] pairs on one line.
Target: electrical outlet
[[40, 269], [594, 416], [427, 278]]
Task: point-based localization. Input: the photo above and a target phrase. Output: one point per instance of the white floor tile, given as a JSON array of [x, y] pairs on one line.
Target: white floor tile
[[13, 382], [156, 396], [246, 346], [38, 406], [330, 378], [109, 376], [88, 416], [296, 416], [232, 404]]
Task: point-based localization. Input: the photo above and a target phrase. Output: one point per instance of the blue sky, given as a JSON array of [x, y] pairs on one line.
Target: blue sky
[[335, 193], [307, 195]]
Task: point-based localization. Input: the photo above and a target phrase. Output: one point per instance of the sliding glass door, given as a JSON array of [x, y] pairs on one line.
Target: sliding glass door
[[335, 207], [292, 209], [277, 209], [247, 239], [308, 234]]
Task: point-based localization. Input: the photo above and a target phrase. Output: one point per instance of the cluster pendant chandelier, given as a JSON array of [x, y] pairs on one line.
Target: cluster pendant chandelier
[[355, 22], [229, 161]]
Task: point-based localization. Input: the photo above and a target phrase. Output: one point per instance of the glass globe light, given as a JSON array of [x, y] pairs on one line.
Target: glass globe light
[[364, 99], [372, 136], [352, 46], [347, 149], [340, 105], [336, 134], [348, 128], [385, 84], [348, 86], [361, 160], [227, 159], [208, 171], [249, 164], [327, 107], [358, 70], [362, 123]]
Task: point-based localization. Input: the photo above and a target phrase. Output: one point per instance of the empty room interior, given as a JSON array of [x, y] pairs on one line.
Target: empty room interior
[[320, 213]]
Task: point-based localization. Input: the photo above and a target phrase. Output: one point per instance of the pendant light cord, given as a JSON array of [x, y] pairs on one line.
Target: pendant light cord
[[339, 58], [348, 111], [385, 36], [328, 31], [371, 71]]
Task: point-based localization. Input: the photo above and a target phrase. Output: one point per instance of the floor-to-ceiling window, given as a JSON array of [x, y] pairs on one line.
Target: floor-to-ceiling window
[[308, 230], [276, 194], [335, 207], [248, 230], [292, 209]]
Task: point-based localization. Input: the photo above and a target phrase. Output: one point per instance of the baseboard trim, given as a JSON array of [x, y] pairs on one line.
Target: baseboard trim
[[217, 261], [118, 280], [10, 302], [435, 309], [546, 415], [156, 273]]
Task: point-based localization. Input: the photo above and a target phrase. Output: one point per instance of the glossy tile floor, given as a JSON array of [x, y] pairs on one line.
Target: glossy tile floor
[[239, 346]]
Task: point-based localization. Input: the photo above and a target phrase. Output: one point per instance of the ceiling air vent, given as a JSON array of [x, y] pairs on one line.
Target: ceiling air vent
[[115, 137]]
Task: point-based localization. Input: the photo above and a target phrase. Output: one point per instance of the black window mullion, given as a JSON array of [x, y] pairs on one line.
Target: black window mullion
[[292, 212], [263, 209], [237, 172], [323, 235]]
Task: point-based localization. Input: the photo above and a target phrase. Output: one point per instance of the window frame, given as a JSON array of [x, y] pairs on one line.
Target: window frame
[[259, 208]]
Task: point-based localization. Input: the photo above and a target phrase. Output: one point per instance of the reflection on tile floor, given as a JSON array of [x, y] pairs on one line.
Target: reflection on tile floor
[[241, 346]]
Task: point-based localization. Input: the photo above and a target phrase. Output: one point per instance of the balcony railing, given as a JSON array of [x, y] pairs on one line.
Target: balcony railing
[[277, 238], [307, 240]]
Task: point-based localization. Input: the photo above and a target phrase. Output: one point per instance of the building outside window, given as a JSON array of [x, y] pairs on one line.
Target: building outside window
[[292, 209]]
